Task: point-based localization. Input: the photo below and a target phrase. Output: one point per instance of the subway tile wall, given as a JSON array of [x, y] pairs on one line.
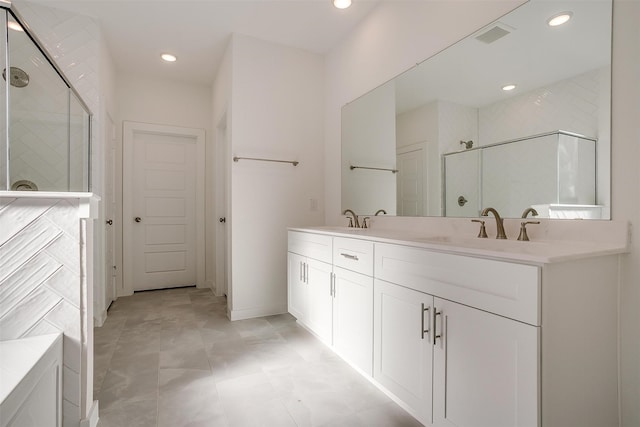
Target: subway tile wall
[[38, 140], [573, 105]]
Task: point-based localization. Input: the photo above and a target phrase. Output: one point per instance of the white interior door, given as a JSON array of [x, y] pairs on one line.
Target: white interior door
[[111, 266], [410, 183], [163, 188]]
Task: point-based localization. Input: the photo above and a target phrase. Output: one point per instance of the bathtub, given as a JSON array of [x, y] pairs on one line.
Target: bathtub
[[31, 382]]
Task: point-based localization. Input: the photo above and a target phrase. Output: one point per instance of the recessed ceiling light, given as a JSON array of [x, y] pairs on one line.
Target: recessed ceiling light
[[559, 19], [342, 4], [168, 57], [508, 87], [15, 26]]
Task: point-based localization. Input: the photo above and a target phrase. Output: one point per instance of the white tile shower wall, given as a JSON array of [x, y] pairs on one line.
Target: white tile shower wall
[[572, 105], [456, 123], [73, 42], [42, 282]]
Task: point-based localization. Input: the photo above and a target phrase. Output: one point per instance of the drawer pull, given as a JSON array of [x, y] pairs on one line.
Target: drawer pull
[[436, 313], [423, 330], [349, 256]]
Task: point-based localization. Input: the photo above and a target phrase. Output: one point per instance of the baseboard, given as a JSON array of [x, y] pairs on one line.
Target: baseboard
[[92, 418], [100, 318], [257, 312]]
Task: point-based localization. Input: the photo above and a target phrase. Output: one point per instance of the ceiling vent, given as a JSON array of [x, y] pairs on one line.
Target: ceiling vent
[[493, 32]]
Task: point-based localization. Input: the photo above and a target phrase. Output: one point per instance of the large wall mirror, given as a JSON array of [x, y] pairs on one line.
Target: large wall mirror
[[516, 115]]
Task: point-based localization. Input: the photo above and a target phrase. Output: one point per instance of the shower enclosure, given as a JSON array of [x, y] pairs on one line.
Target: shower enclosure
[[45, 126], [554, 173]]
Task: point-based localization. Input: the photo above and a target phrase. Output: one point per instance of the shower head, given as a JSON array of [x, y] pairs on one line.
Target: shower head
[[17, 77]]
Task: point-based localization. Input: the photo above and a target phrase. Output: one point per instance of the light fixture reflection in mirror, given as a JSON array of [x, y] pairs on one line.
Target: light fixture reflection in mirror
[[562, 82]]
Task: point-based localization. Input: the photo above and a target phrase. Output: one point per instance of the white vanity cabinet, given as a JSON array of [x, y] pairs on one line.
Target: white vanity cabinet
[[310, 289], [485, 369], [403, 351], [353, 301], [331, 292], [516, 344], [460, 365], [467, 339]]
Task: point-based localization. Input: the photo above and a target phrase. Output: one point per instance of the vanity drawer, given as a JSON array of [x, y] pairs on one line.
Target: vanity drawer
[[316, 246], [507, 289], [353, 254]]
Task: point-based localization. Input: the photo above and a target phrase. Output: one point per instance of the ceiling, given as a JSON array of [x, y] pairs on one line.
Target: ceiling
[[532, 55], [198, 31]]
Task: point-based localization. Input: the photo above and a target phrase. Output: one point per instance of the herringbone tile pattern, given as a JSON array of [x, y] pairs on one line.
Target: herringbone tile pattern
[[40, 281]]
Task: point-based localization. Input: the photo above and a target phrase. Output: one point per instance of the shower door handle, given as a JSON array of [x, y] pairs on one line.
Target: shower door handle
[[137, 219]]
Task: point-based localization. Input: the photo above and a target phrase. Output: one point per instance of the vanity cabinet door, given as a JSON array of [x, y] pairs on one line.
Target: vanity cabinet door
[[297, 287], [353, 318], [402, 355], [485, 369], [319, 315]]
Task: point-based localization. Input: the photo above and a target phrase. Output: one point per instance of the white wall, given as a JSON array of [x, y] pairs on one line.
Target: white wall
[[385, 44], [277, 95]]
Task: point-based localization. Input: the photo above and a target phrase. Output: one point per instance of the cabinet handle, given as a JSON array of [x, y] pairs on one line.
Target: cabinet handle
[[334, 284], [423, 330], [306, 273], [301, 271], [436, 313], [349, 256], [331, 284]]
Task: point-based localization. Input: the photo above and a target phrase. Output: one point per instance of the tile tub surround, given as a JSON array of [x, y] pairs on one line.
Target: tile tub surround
[[45, 286], [172, 358]]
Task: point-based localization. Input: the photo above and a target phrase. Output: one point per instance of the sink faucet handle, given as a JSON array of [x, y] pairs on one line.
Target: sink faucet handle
[[523, 236], [364, 222], [350, 222], [483, 231]]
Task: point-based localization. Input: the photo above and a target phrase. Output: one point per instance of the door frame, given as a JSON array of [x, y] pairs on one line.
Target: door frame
[[129, 129], [111, 270], [222, 191]]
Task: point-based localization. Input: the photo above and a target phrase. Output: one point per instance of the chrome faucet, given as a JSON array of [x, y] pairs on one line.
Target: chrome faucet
[[380, 211], [528, 211], [355, 217], [501, 234]]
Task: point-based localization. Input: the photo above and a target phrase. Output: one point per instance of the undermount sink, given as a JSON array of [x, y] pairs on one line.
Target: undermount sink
[[341, 229], [481, 243]]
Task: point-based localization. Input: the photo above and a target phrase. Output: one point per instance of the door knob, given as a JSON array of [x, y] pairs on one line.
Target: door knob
[[138, 219], [109, 222], [223, 219]]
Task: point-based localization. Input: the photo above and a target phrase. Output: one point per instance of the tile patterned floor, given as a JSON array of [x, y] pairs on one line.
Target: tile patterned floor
[[171, 358]]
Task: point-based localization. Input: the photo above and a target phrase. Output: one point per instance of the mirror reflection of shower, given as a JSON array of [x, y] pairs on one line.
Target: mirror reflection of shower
[[17, 77]]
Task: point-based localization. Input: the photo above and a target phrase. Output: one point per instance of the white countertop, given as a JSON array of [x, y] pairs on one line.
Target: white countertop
[[18, 357], [531, 252]]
